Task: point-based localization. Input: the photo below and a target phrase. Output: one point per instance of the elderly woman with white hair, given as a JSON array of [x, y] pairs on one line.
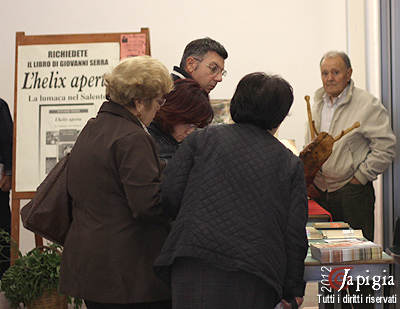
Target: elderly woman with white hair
[[114, 172]]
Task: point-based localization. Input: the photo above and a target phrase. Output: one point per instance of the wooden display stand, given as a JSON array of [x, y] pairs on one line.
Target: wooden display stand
[[54, 51]]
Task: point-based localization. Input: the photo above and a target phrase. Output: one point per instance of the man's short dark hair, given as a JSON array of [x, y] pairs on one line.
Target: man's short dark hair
[[261, 99], [198, 48]]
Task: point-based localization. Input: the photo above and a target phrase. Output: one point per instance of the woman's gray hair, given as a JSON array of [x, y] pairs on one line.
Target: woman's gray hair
[[137, 78], [334, 53]]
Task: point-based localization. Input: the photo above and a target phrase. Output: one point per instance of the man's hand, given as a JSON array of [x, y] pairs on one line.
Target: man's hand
[[5, 183]]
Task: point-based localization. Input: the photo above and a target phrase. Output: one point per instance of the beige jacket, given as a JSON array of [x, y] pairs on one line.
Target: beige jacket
[[366, 151]]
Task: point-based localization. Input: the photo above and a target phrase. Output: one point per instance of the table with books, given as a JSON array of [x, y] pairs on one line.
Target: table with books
[[339, 255]]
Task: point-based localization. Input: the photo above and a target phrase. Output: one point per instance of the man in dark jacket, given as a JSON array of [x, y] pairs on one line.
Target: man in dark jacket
[[239, 201], [203, 60], [6, 137]]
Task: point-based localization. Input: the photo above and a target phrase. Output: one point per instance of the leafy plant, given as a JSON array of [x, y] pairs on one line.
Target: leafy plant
[[33, 274]]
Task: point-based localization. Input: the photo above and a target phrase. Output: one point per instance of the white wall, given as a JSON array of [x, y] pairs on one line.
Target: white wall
[[287, 37], [373, 85]]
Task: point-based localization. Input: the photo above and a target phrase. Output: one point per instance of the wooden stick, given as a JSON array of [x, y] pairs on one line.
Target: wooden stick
[[310, 121], [355, 125], [315, 129]]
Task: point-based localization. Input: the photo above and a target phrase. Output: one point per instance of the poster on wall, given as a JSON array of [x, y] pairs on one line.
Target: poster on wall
[[59, 87]]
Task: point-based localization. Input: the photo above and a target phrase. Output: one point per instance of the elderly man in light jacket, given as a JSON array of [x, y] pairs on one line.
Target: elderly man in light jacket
[[344, 183]]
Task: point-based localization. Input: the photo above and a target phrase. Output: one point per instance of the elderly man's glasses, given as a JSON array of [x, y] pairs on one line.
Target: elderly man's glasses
[[215, 69]]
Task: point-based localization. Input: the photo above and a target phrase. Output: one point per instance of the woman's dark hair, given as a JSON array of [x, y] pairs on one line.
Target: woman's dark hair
[[186, 103], [261, 99]]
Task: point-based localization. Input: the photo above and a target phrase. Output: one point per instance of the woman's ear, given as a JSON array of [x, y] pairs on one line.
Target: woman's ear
[[138, 104]]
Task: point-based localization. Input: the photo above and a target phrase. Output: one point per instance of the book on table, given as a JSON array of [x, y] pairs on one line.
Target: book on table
[[313, 233], [345, 250], [342, 234], [331, 225]]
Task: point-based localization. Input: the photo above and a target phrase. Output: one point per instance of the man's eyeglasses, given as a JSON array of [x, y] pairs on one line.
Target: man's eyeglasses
[[214, 68]]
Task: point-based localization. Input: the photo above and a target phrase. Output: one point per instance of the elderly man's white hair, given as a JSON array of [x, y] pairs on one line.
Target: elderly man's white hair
[[334, 53]]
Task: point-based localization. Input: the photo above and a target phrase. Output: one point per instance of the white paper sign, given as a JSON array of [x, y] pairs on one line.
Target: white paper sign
[[59, 87]]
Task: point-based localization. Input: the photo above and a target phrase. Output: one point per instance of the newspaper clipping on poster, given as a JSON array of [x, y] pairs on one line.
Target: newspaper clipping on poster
[[59, 87], [60, 126]]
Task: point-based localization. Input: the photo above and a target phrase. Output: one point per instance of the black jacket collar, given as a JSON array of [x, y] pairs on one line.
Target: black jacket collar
[[179, 73]]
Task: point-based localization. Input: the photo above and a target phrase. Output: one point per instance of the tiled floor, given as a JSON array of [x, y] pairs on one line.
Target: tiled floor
[[3, 302], [310, 297]]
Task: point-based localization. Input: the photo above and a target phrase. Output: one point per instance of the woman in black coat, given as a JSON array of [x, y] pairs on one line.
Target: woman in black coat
[[240, 206]]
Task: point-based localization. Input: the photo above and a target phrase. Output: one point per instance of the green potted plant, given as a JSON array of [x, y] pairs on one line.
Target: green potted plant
[[33, 279]]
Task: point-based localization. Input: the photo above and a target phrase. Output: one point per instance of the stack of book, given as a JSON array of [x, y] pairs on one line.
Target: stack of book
[[335, 242], [336, 251]]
